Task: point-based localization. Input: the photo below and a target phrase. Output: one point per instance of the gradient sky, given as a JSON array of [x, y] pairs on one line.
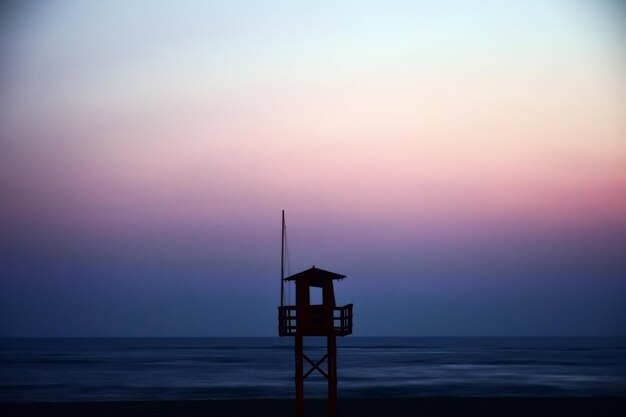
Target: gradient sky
[[463, 163]]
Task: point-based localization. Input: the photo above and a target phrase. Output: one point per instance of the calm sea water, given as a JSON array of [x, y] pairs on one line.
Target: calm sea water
[[212, 368]]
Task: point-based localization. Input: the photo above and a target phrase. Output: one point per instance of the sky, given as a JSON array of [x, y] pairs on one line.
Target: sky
[[463, 163]]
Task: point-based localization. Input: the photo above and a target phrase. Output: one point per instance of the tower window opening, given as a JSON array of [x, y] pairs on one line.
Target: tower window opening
[[316, 296]]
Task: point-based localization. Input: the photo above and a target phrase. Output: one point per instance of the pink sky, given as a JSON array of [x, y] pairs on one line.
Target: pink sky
[[434, 124]]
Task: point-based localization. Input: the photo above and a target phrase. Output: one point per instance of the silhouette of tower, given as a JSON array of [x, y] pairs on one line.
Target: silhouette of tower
[[307, 319]]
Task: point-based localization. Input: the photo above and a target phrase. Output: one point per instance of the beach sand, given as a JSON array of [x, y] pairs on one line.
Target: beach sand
[[426, 407]]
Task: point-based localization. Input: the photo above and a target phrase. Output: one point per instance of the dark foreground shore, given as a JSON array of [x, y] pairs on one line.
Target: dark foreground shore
[[418, 407]]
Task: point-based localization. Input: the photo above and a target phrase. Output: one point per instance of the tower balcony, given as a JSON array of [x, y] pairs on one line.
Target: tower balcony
[[315, 320]]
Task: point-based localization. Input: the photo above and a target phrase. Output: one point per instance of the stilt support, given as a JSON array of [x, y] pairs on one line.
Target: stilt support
[[299, 377], [330, 374]]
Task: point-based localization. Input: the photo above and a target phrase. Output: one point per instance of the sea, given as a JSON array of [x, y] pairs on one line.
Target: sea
[[112, 369]]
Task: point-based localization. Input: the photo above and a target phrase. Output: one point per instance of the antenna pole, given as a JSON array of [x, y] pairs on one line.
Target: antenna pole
[[282, 262]]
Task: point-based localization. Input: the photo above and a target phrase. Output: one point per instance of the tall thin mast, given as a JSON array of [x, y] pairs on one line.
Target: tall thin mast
[[282, 263]]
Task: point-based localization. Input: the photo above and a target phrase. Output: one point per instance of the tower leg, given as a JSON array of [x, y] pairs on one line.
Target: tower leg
[[331, 343], [299, 350]]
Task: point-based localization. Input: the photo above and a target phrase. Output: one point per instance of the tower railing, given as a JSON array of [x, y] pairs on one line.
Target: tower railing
[[315, 321]]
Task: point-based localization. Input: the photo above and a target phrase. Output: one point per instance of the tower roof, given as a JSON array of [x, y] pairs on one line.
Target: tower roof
[[314, 274]]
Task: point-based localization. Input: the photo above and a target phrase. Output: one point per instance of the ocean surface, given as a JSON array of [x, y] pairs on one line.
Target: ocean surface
[[87, 369]]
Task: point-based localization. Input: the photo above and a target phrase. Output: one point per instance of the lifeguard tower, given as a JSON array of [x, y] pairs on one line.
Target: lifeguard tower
[[306, 319]]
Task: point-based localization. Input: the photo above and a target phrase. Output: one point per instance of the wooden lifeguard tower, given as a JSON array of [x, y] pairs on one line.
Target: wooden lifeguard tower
[[306, 319]]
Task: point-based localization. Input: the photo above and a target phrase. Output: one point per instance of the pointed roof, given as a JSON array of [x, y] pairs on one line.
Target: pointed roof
[[314, 273]]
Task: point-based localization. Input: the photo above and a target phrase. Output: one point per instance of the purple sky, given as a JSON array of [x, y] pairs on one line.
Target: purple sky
[[463, 164]]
